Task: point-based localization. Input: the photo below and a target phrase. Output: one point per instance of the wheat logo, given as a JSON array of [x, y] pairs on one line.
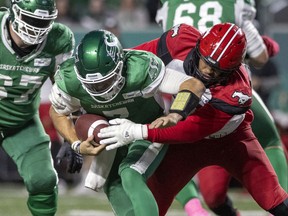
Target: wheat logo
[[112, 47]]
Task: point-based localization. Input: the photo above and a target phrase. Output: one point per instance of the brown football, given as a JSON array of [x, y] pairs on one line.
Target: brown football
[[88, 124]]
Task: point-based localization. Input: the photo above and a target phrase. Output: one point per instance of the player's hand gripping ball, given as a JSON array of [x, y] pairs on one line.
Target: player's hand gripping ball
[[90, 124]]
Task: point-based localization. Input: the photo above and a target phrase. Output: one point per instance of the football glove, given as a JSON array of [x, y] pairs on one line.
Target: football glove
[[121, 132], [73, 159], [272, 45]]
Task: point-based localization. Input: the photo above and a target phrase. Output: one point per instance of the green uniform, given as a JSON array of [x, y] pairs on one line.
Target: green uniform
[[22, 135], [203, 15], [138, 101]]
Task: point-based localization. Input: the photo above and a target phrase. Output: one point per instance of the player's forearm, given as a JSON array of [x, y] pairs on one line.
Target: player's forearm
[[194, 128], [64, 125], [256, 48], [194, 85]]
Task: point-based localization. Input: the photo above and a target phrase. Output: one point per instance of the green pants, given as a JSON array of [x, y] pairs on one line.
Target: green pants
[[126, 186], [29, 148]]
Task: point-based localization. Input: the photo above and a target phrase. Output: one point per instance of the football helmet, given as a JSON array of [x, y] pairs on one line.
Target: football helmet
[[223, 48], [98, 64], [32, 19]]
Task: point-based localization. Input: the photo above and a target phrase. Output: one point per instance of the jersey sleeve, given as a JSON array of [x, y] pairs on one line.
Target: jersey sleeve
[[63, 42], [66, 87], [204, 122], [145, 72], [63, 103], [150, 46], [173, 44], [177, 42]]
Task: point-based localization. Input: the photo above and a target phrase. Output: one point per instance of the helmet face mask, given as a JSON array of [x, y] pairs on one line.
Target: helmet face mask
[[98, 86], [222, 48], [99, 64], [32, 20]]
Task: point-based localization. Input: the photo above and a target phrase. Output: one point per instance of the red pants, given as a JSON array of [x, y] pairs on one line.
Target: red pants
[[239, 153], [213, 183]]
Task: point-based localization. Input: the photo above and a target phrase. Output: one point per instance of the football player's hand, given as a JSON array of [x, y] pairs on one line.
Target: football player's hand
[[121, 132], [166, 121], [89, 147], [272, 45], [73, 159]]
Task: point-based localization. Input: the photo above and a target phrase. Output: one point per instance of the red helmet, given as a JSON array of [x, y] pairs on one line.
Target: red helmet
[[223, 47]]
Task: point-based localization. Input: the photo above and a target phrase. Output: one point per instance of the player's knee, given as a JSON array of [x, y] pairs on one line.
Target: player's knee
[[40, 182], [128, 177], [215, 199]]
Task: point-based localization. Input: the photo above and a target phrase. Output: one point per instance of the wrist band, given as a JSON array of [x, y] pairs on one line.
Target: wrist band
[[184, 103], [76, 146]]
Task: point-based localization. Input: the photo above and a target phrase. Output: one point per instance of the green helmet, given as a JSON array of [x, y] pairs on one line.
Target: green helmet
[[98, 65], [32, 19]]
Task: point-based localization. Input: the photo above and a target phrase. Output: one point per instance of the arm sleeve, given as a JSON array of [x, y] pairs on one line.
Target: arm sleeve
[[172, 81], [63, 103], [255, 43], [244, 17], [201, 124]]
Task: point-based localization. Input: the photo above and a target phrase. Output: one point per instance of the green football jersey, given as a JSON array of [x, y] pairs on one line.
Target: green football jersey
[[138, 100], [203, 14], [22, 78]]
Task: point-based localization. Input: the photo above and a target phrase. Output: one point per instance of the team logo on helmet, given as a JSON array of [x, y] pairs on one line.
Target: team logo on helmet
[[112, 47]]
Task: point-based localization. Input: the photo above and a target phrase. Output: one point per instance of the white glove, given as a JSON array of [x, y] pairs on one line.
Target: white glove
[[121, 132]]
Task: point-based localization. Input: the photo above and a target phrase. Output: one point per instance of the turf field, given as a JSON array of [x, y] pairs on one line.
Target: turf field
[[88, 203]]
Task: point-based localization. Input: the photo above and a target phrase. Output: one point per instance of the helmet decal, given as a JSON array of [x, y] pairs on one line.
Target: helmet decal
[[111, 47]]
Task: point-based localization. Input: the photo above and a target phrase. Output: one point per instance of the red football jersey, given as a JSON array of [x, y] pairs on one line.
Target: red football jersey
[[222, 108]]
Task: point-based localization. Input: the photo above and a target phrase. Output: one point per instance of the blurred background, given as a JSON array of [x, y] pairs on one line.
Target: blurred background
[[133, 21]]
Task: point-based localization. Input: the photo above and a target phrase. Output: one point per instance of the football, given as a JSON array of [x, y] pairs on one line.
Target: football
[[88, 124]]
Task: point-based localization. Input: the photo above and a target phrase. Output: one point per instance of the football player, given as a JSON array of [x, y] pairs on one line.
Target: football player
[[203, 14], [218, 132], [32, 46], [106, 80]]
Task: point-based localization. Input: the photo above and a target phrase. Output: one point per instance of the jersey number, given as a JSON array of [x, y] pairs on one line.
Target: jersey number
[[26, 80], [205, 17]]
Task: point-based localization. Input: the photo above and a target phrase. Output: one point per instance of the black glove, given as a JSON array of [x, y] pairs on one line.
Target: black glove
[[74, 160]]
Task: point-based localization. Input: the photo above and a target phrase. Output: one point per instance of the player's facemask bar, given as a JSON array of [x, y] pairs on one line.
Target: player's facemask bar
[[222, 75], [31, 28]]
